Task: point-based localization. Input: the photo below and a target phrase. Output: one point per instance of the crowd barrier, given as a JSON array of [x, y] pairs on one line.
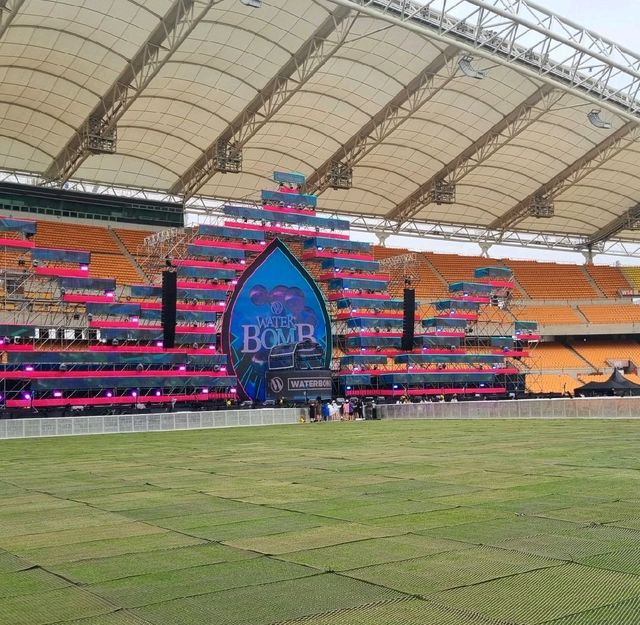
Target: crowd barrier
[[582, 408], [161, 422]]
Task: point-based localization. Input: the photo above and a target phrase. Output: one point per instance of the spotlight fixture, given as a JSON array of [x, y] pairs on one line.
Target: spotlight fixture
[[597, 121], [465, 64]]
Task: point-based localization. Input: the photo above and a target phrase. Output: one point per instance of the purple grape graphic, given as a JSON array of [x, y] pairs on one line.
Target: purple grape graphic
[[259, 295], [294, 300]]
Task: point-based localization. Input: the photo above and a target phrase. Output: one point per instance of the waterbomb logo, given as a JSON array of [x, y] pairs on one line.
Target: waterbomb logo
[[275, 302]]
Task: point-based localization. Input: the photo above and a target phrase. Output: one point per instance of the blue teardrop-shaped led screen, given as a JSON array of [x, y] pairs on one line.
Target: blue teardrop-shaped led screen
[[275, 307]]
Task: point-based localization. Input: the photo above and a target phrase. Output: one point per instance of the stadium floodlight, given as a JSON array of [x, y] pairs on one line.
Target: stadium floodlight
[[465, 64], [597, 121], [256, 4]]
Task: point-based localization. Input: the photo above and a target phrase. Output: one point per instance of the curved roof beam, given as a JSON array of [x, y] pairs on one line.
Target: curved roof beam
[[629, 220], [177, 24], [8, 10], [615, 143], [540, 44], [507, 129], [304, 64], [436, 76]]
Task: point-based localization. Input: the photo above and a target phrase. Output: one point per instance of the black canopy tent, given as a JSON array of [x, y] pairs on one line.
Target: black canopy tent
[[617, 385]]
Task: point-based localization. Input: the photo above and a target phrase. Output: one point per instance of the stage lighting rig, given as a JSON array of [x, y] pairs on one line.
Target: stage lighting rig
[[466, 65], [228, 158], [542, 207], [340, 176], [443, 192], [597, 121]]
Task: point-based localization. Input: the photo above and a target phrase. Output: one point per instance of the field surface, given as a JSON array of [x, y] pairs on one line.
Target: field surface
[[390, 523]]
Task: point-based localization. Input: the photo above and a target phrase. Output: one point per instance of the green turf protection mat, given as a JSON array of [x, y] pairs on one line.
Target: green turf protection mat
[[53, 606], [78, 535], [313, 538], [21, 503], [257, 528], [576, 545], [487, 496], [106, 548], [544, 595], [10, 563], [284, 493], [157, 587], [552, 506], [388, 508], [629, 523], [270, 603], [499, 530], [247, 512], [181, 506], [400, 612], [623, 613], [146, 498], [121, 617], [334, 505], [607, 512], [45, 521], [127, 565], [422, 521], [623, 560], [423, 576], [369, 552], [28, 582]]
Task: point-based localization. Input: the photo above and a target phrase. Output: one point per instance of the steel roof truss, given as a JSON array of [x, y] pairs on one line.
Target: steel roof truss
[[304, 64], [615, 143], [440, 72], [164, 40], [507, 129]]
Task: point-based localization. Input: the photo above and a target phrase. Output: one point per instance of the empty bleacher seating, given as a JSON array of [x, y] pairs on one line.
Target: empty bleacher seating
[[552, 281], [632, 274], [428, 285], [554, 356], [604, 354], [551, 315], [107, 260], [610, 280], [552, 383], [612, 313]]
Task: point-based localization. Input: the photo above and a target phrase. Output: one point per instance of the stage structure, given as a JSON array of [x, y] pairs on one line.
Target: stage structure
[[273, 303]]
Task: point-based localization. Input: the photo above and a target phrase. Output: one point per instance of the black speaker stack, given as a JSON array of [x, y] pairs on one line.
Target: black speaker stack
[[169, 300], [408, 319]]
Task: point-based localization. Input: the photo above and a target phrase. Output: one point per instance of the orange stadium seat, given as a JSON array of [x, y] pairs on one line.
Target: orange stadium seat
[[552, 383], [613, 313], [610, 280], [75, 237], [454, 268], [554, 356], [632, 274], [552, 280], [428, 284], [107, 259], [132, 239], [550, 315], [606, 353]]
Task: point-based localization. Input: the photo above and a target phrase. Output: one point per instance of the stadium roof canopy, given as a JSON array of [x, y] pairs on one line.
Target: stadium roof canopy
[[492, 106]]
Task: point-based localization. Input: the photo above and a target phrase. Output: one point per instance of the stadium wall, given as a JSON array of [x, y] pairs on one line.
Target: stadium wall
[[161, 422], [583, 408]]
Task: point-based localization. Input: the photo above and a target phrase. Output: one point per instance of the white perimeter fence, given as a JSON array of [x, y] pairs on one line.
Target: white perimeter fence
[[162, 422], [583, 408], [595, 408]]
